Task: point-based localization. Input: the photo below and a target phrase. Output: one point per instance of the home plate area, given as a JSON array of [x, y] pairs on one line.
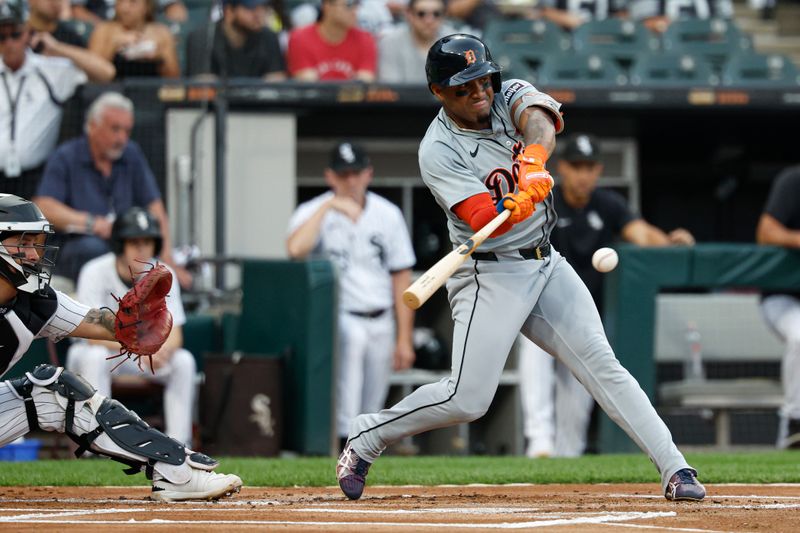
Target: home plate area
[[582, 508]]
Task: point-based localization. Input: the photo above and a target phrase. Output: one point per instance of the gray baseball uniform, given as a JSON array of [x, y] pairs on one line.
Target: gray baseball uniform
[[495, 297]]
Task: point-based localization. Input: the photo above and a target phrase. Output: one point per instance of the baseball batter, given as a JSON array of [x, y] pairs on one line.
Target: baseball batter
[[365, 236], [53, 399], [487, 147]]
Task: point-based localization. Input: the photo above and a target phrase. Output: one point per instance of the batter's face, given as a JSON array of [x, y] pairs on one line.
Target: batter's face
[[470, 104], [350, 183], [579, 180]]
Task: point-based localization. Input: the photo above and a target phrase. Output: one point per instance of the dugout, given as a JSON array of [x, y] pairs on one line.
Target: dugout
[[234, 159]]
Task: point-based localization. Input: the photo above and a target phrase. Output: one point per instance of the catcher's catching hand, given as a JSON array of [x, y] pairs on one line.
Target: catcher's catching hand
[[143, 321]]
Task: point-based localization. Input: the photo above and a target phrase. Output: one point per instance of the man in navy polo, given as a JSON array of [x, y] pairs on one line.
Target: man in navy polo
[[90, 179]]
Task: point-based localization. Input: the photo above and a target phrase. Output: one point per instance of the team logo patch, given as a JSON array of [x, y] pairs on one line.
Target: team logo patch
[[469, 55], [511, 90]]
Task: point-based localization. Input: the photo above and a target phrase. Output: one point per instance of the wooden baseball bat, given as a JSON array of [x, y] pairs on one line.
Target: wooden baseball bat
[[433, 278]]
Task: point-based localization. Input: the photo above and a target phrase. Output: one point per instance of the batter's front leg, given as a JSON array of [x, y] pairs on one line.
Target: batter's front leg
[[565, 321], [481, 343]]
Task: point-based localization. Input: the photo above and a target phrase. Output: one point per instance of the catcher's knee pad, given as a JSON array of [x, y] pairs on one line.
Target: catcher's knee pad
[[71, 391]]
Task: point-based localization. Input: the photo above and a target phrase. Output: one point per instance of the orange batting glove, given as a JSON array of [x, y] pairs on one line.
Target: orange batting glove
[[519, 204], [533, 178]]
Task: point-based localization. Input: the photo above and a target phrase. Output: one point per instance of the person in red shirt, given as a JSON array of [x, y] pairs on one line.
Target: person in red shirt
[[332, 48]]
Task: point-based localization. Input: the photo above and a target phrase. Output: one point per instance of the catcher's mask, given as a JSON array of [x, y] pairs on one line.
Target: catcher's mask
[[135, 223], [23, 228], [460, 58]]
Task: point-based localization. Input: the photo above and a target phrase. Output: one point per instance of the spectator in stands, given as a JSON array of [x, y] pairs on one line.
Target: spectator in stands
[[779, 225], [34, 88], [135, 43], [570, 15], [135, 241], [471, 16], [238, 46], [95, 11], [91, 179], [657, 14], [402, 51], [556, 408], [332, 48], [45, 16]]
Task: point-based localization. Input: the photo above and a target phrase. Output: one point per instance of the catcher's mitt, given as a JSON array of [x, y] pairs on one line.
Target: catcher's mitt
[[143, 321]]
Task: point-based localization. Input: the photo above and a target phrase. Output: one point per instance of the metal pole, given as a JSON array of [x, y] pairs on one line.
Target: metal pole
[[220, 127]]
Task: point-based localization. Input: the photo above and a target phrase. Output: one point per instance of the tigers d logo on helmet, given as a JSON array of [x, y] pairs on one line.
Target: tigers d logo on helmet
[[469, 55]]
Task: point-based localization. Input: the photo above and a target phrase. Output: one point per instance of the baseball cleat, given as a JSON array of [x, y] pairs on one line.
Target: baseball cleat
[[202, 485], [351, 470], [683, 485]]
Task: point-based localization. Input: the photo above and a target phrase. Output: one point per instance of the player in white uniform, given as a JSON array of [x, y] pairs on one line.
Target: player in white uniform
[[55, 399], [136, 241], [365, 236], [472, 157]]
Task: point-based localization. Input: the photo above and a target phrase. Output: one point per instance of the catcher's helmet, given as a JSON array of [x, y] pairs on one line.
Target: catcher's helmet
[[135, 223], [21, 218], [459, 58]]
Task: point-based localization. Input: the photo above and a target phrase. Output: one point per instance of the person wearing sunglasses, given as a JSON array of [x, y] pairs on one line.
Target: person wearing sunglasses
[[402, 50], [333, 48], [33, 88]]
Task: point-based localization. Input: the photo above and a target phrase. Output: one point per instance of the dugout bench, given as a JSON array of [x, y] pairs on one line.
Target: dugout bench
[[630, 317]]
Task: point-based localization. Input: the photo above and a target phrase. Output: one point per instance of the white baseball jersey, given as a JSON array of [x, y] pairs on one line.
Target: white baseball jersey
[[457, 163], [99, 280], [50, 314], [365, 252]]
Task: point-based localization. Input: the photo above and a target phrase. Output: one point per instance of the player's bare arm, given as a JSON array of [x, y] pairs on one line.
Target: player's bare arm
[[537, 126], [771, 231], [404, 355], [98, 324]]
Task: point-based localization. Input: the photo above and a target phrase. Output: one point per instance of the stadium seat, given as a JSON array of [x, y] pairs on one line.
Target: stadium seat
[[574, 69], [672, 69], [760, 70], [521, 46], [619, 39], [713, 39]]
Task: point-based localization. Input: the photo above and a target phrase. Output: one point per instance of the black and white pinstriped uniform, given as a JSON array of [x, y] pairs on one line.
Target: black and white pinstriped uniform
[[51, 314]]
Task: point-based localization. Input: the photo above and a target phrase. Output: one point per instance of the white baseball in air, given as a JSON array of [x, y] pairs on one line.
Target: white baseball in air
[[605, 259]]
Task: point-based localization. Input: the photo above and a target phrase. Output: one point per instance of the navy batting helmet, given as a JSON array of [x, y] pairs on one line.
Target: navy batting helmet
[[459, 58], [135, 223]]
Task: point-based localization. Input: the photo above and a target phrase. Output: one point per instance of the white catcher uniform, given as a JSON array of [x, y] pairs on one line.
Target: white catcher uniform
[[97, 282], [494, 297], [365, 254]]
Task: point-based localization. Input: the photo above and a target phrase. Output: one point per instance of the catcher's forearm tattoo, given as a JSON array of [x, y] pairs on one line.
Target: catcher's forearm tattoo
[[103, 317]]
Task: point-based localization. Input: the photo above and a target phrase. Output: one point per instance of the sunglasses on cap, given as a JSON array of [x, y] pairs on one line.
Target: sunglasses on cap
[[14, 35], [422, 14]]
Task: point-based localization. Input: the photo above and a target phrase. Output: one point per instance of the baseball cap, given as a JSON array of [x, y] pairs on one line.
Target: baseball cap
[[348, 156], [10, 13], [249, 4], [582, 147]]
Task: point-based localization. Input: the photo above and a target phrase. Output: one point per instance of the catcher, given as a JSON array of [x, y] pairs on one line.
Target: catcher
[[55, 399]]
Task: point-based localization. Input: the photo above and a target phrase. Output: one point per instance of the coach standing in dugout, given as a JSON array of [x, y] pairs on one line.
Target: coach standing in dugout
[[34, 88], [365, 236], [780, 226], [556, 407]]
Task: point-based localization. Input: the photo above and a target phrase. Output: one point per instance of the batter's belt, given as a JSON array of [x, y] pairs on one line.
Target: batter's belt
[[540, 252]]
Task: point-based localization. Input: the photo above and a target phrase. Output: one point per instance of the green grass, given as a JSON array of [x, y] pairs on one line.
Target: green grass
[[762, 467]]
